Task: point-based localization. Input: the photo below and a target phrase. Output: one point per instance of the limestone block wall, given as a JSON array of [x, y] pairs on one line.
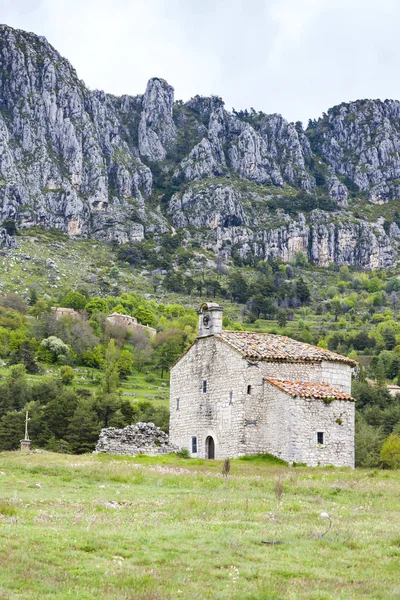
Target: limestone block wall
[[338, 374], [219, 412], [293, 423], [234, 410], [335, 373]]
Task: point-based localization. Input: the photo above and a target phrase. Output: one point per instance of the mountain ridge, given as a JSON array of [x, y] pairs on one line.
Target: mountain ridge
[[122, 168]]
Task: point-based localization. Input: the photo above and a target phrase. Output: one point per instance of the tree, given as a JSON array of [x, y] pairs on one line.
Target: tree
[[389, 337], [39, 309], [96, 305], [26, 354], [368, 443], [302, 291], [380, 373], [237, 287], [58, 412], [145, 316], [10, 226], [336, 307], [55, 347], [83, 428], [168, 347], [111, 374], [282, 317], [67, 374], [15, 392], [141, 348], [300, 259], [125, 364], [15, 302], [33, 296], [93, 358], [12, 426], [74, 300]]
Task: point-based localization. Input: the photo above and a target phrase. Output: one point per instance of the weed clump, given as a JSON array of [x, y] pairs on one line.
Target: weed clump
[[7, 508]]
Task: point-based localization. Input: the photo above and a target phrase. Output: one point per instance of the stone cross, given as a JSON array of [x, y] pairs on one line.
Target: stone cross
[[26, 443]]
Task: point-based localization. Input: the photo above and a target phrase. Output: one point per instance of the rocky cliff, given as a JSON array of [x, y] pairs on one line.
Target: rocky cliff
[[91, 164]]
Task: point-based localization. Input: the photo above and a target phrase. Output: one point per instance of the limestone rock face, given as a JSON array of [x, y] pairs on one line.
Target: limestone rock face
[[289, 149], [221, 209], [338, 191], [156, 129], [65, 160], [203, 161], [142, 438], [91, 164], [361, 140], [7, 241], [215, 206]]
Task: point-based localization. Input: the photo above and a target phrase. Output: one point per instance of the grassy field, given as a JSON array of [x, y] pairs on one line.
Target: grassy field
[[91, 527], [143, 386]]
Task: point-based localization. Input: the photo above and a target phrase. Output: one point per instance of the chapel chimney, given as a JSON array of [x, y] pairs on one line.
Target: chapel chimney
[[210, 319]]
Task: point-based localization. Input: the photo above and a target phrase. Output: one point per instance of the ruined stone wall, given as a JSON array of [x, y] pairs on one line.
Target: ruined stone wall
[[142, 438], [293, 423]]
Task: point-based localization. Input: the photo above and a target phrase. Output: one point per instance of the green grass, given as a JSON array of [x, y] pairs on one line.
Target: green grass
[[146, 385], [91, 527]]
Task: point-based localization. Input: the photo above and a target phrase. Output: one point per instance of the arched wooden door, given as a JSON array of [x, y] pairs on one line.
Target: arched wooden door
[[210, 448]]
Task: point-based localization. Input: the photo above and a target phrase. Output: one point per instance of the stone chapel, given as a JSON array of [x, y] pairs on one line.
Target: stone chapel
[[236, 392]]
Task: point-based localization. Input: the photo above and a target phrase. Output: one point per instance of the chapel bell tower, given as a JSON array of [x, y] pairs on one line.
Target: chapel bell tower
[[210, 319]]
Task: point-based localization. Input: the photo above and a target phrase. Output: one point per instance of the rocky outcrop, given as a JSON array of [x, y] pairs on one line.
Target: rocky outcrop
[[338, 191], [65, 160], [215, 205], [361, 140], [142, 438], [7, 241], [323, 237], [203, 161], [289, 149], [157, 131]]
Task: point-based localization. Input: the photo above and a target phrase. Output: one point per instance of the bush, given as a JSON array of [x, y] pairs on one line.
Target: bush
[[67, 374], [74, 300], [183, 453], [368, 442], [390, 453]]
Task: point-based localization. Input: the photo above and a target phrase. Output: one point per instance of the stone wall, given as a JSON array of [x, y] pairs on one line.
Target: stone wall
[[293, 423], [214, 413], [129, 322], [142, 438], [234, 409]]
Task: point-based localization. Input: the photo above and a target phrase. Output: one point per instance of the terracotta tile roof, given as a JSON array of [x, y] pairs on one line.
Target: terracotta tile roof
[[269, 347], [310, 389]]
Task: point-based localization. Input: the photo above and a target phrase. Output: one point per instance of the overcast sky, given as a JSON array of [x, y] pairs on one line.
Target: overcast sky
[[295, 57]]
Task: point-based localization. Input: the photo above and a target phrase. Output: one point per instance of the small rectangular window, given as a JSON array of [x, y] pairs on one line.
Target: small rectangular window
[[194, 445], [177, 404], [204, 386], [320, 437], [230, 397]]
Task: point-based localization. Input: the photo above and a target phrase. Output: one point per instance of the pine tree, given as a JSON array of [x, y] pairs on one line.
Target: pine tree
[[84, 428]]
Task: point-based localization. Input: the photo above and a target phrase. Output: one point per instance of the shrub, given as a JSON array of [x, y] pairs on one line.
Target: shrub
[[390, 452], [67, 374], [74, 300]]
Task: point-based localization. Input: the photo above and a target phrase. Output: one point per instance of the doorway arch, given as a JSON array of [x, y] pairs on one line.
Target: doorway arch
[[210, 448]]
